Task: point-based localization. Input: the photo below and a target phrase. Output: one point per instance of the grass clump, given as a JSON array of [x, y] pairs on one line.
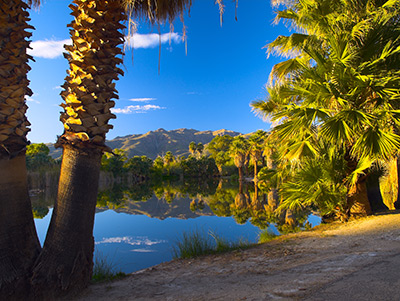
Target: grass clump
[[266, 236], [104, 269], [196, 243], [192, 244]]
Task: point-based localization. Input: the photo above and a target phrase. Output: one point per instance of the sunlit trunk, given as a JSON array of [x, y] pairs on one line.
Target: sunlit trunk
[[19, 245], [290, 219], [65, 263], [240, 169], [357, 200]]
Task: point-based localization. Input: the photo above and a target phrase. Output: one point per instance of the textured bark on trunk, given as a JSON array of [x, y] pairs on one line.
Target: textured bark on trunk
[[65, 263], [358, 202], [357, 197], [19, 245], [290, 219]]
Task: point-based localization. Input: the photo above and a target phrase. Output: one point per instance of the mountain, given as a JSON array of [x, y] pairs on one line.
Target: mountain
[[155, 143]]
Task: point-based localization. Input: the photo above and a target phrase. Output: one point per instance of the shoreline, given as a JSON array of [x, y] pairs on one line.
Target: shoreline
[[303, 266]]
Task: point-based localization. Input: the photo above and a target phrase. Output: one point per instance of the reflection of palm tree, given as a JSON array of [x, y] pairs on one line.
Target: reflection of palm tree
[[19, 245], [240, 201]]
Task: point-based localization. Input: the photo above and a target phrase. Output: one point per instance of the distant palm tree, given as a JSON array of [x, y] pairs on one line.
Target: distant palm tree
[[200, 148], [19, 245], [256, 142], [192, 147], [239, 152]]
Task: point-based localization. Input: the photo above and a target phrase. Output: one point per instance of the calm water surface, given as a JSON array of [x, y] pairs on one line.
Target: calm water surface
[[134, 235]]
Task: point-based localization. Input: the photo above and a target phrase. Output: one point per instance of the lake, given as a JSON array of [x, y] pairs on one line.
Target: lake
[[137, 227]]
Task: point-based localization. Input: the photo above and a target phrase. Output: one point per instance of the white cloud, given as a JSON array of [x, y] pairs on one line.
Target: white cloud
[[31, 99], [48, 49], [51, 49], [136, 109], [151, 40], [133, 241], [142, 250], [142, 99]]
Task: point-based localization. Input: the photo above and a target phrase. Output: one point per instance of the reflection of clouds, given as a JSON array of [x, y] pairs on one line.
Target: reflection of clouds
[[134, 241], [142, 250]]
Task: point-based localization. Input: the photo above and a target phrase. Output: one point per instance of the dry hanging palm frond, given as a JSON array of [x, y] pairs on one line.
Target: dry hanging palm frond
[[156, 11], [34, 3]]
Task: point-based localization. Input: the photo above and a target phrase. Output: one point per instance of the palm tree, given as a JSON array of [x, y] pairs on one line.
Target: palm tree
[[256, 142], [218, 148], [192, 147], [200, 148], [65, 263], [19, 245], [238, 151], [340, 86]]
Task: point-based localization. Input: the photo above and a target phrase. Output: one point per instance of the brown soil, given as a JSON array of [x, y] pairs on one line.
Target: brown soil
[[311, 265]]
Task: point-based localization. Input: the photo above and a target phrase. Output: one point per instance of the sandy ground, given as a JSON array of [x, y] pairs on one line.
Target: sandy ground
[[359, 260]]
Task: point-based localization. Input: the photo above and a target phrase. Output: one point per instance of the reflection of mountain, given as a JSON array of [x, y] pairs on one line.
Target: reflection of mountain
[[161, 209], [159, 142]]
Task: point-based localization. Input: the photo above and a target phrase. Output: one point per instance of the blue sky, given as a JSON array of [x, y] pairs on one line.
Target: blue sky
[[209, 88]]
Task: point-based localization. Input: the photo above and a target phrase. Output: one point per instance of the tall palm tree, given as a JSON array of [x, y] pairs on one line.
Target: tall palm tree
[[19, 245], [65, 263], [239, 151], [340, 86]]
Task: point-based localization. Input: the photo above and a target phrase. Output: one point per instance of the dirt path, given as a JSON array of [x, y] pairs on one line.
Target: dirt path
[[355, 261]]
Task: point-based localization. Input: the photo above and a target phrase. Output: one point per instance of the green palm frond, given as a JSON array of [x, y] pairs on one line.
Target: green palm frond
[[283, 45], [284, 69], [362, 166], [301, 149], [376, 143]]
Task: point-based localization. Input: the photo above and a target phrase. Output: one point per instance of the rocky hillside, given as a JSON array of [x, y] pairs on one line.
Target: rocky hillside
[[155, 143]]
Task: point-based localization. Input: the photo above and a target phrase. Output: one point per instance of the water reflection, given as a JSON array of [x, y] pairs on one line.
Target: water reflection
[[183, 200], [136, 226]]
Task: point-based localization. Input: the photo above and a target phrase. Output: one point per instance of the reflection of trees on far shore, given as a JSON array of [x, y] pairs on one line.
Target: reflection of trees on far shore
[[245, 202]]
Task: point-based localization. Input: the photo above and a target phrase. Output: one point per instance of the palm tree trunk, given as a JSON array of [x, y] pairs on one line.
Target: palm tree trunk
[[357, 200], [19, 245], [240, 169], [65, 265], [66, 261]]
